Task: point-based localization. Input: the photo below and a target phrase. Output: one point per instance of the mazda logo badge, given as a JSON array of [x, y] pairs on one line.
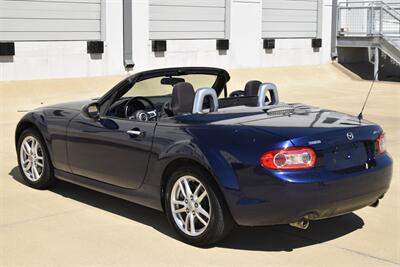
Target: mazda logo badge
[[350, 136]]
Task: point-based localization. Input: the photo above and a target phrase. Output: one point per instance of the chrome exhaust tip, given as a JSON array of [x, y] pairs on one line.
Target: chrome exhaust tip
[[301, 224]]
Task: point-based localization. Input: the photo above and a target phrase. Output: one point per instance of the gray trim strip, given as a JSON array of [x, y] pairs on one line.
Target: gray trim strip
[[334, 29], [103, 19], [127, 28]]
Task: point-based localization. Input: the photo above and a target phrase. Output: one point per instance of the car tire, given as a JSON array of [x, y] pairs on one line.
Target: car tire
[[34, 161], [187, 209]]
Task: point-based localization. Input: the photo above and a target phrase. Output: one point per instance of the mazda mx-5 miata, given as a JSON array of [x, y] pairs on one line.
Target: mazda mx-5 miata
[[173, 140]]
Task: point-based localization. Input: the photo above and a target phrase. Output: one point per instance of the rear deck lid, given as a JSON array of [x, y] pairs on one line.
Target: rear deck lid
[[341, 141]]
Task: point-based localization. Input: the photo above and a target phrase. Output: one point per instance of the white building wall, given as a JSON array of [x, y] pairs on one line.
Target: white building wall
[[59, 59], [246, 45], [43, 60]]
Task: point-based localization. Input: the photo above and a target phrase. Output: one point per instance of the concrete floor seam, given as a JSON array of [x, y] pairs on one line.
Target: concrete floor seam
[[342, 248]]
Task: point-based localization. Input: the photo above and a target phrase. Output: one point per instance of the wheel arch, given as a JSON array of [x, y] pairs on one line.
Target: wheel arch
[[22, 126], [25, 124], [182, 161]]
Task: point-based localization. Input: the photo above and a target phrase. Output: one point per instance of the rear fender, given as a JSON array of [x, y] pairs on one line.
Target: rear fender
[[210, 159]]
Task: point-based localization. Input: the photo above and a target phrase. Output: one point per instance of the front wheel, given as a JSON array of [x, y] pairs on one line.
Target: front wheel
[[194, 208], [34, 161]]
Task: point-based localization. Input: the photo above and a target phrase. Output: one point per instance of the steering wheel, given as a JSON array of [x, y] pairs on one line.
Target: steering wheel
[[134, 104]]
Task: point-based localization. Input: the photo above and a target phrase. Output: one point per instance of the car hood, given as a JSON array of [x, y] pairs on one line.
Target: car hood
[[74, 105]]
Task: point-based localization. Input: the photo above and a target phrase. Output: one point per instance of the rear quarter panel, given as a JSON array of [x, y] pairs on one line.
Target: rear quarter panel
[[229, 152]]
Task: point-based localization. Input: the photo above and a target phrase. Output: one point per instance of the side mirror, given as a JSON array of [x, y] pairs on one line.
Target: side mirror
[[93, 110]]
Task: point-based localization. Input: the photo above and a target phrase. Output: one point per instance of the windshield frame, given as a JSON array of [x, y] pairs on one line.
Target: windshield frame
[[221, 79]]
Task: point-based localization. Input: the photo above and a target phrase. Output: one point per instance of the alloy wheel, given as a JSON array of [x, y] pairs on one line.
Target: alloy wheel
[[190, 205], [32, 158]]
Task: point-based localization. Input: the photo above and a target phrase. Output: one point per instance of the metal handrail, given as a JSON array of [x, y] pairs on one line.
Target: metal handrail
[[375, 18], [372, 3], [395, 12]]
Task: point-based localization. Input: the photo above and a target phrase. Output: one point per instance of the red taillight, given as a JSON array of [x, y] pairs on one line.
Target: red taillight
[[380, 144], [291, 158]]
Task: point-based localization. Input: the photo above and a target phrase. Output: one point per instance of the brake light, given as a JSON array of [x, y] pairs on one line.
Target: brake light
[[380, 144], [291, 158]]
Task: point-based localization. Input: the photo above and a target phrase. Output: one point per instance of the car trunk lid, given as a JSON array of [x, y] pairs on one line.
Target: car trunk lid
[[341, 141]]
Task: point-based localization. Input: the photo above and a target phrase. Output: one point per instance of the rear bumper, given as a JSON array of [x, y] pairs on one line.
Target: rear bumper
[[269, 200]]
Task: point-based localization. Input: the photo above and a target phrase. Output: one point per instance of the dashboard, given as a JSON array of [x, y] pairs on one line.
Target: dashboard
[[139, 108]]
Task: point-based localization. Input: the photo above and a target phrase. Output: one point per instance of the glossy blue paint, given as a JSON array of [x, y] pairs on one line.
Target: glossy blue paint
[[98, 153]]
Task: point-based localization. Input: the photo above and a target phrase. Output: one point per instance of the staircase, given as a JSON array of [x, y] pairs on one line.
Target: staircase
[[370, 25], [395, 42]]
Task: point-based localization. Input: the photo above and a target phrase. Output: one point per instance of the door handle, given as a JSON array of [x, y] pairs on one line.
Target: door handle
[[135, 133]]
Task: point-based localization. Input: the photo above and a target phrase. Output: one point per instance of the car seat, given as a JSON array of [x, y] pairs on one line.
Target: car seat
[[181, 101], [252, 87]]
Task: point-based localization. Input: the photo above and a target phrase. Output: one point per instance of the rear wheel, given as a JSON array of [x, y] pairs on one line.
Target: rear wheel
[[194, 209], [34, 162]]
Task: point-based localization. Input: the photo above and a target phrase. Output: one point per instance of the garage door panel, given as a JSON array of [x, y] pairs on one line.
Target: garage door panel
[[8, 25], [50, 36], [192, 3], [187, 13], [48, 14], [62, 1], [294, 18], [65, 19], [187, 19], [290, 4], [289, 15], [281, 34], [187, 35], [290, 26], [66, 6], [195, 26]]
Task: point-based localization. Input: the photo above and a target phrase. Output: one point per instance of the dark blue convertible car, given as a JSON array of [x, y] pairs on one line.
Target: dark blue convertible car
[[173, 140]]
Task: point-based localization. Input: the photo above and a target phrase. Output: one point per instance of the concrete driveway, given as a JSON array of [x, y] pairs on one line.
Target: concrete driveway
[[70, 225]]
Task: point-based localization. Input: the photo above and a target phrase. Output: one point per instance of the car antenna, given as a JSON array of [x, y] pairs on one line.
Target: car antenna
[[360, 116]]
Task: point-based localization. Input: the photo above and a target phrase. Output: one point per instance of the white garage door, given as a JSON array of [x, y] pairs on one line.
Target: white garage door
[[187, 19], [290, 18], [36, 20]]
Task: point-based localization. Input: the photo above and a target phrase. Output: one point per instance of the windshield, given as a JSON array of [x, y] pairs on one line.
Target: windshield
[[161, 86]]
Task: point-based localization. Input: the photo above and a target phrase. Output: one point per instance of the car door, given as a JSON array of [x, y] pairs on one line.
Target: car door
[[111, 150]]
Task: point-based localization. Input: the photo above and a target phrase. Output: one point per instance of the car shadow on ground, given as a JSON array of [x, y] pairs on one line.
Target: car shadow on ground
[[267, 238]]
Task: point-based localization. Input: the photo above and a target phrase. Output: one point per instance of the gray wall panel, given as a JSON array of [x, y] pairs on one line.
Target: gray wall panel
[[187, 13], [290, 19], [186, 35], [187, 19], [189, 26], [36, 20], [49, 36], [197, 3]]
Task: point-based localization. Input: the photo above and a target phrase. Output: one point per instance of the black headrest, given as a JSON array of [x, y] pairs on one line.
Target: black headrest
[[251, 88], [182, 98]]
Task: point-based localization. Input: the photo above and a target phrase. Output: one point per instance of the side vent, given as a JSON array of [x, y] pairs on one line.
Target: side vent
[[95, 47], [316, 43], [7, 49], [159, 45], [223, 45], [269, 44]]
